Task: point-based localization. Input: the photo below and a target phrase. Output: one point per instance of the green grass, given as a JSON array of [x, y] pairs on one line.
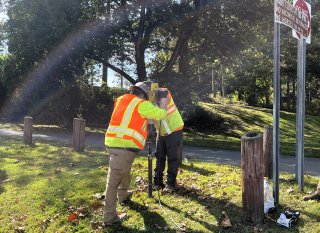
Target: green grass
[[241, 119], [40, 184]]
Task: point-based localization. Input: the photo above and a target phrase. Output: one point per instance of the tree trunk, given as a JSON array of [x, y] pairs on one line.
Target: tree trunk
[[104, 75], [140, 59], [293, 94], [222, 86], [288, 93], [184, 59], [281, 100], [213, 83], [267, 94]]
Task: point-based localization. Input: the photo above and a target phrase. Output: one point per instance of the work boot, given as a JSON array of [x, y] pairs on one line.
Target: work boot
[[127, 201], [314, 196], [168, 189], [117, 219], [158, 187]]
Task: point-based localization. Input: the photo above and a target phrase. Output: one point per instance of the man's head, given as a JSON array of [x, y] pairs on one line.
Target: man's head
[[141, 90]]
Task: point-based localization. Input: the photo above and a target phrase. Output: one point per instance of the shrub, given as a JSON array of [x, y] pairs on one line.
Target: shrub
[[196, 117]]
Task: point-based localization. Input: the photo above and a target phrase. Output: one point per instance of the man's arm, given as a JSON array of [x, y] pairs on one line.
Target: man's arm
[[148, 110]]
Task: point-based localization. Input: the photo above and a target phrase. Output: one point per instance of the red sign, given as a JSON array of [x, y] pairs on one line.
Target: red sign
[[306, 9], [289, 15]]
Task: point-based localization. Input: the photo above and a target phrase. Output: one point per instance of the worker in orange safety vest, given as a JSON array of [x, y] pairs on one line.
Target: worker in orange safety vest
[[168, 146], [125, 137]]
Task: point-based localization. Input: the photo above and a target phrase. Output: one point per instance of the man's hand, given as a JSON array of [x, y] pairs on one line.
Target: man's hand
[[163, 103]]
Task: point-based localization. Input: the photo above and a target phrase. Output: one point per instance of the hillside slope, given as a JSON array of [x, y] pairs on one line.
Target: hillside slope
[[237, 120]]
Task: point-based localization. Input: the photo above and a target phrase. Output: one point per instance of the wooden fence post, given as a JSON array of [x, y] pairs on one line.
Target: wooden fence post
[[252, 177], [27, 131], [267, 151], [78, 135]]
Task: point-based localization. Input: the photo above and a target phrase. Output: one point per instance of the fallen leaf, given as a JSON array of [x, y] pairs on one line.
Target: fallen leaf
[[71, 209], [257, 229], [290, 190], [57, 171], [72, 217], [19, 229], [17, 161], [225, 223], [98, 196], [45, 223], [138, 179], [82, 212], [42, 206], [96, 224]]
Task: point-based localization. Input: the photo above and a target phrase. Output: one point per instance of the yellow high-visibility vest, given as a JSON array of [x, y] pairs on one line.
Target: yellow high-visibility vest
[[173, 121]]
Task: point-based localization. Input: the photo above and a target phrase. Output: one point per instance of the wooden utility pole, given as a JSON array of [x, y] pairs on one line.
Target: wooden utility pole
[[267, 151], [252, 177], [222, 86], [213, 83]]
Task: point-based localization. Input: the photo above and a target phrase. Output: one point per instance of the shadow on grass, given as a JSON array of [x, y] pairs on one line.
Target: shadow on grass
[[153, 222], [213, 205], [201, 171], [46, 163], [3, 177]]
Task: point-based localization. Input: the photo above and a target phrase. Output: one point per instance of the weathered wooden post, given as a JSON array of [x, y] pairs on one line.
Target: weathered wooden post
[[78, 135], [267, 151], [27, 131], [252, 177]]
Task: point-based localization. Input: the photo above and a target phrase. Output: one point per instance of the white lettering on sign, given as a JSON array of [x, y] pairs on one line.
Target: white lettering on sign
[[306, 9], [289, 15]]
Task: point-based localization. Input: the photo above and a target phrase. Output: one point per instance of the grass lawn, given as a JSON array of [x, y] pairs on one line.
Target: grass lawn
[[42, 185], [241, 119]]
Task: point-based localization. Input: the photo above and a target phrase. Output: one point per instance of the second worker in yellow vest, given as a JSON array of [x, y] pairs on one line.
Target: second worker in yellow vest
[[169, 143]]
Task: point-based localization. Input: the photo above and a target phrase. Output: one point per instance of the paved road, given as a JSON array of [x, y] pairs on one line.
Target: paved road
[[287, 163]]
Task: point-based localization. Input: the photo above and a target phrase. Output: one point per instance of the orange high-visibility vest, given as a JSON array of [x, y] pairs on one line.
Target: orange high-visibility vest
[[126, 122]]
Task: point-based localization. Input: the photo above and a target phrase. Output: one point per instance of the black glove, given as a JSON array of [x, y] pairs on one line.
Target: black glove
[[162, 94]]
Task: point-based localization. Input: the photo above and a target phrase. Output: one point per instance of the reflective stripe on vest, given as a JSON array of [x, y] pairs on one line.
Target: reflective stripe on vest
[[171, 109], [128, 113], [123, 129], [166, 126], [118, 130]]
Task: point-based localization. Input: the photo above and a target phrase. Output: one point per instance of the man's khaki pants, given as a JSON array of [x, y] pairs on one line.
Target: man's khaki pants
[[118, 181]]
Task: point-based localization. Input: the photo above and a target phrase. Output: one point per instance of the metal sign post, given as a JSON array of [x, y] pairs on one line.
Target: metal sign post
[[300, 116], [298, 18], [276, 111]]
